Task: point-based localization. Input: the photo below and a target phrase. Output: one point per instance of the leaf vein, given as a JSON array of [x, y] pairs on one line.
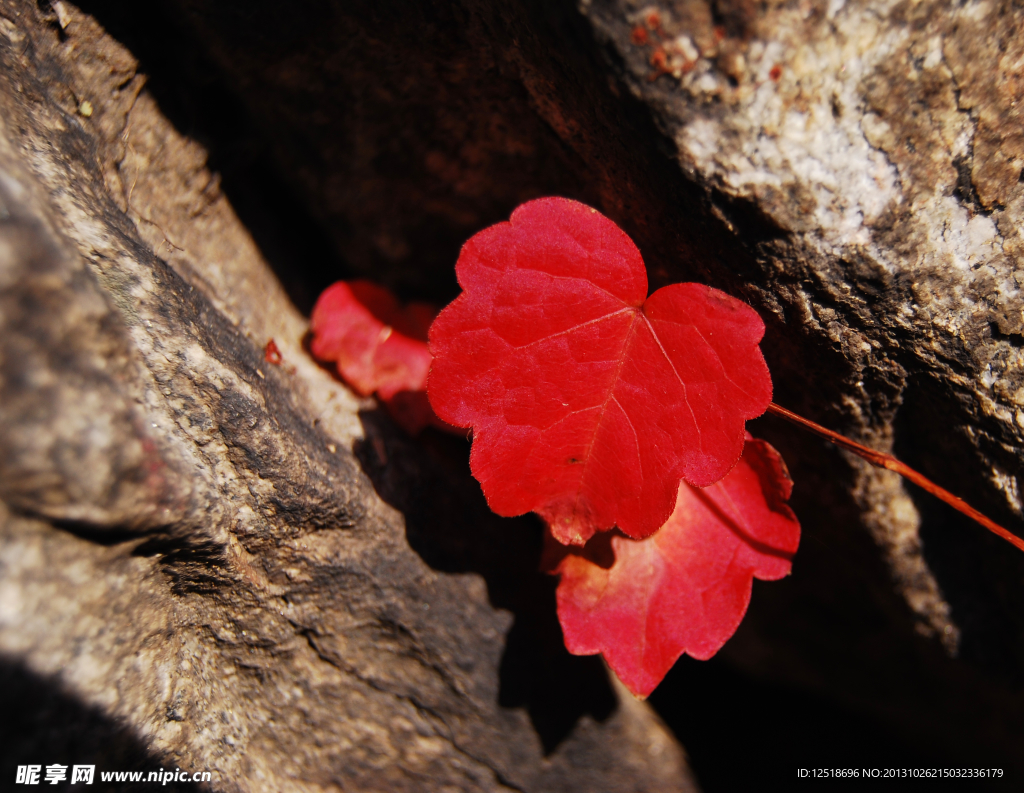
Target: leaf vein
[[725, 371], [573, 328], [686, 399], [636, 437], [586, 281], [611, 392]]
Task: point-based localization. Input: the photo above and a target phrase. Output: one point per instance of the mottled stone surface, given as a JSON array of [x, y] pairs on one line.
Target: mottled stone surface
[[850, 169], [197, 571], [846, 168], [874, 149], [881, 143]]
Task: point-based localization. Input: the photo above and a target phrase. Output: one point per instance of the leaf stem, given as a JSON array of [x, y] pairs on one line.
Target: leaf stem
[[883, 460]]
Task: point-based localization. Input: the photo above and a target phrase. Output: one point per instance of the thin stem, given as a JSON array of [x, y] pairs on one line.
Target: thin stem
[[888, 461]]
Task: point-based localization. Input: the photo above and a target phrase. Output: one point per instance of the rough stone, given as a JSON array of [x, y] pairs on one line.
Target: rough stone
[[851, 169], [196, 569]]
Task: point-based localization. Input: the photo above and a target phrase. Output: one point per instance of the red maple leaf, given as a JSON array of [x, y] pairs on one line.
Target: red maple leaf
[[379, 346], [590, 401], [643, 603]]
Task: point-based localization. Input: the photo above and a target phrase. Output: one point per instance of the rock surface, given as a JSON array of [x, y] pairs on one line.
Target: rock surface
[[848, 168], [196, 570], [851, 169]]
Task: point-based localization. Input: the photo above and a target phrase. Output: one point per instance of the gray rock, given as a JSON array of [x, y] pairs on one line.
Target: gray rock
[[850, 169], [196, 570]]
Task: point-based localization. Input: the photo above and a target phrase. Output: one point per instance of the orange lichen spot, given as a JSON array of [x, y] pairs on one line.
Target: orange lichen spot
[[775, 73], [653, 20], [719, 33], [272, 354], [659, 60], [639, 36]]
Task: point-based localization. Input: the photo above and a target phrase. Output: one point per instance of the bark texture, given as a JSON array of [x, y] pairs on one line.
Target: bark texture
[[193, 551]]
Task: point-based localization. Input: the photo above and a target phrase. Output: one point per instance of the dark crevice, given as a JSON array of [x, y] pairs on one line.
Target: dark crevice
[[1015, 340], [194, 96], [970, 565], [748, 220], [964, 190], [739, 731], [191, 564], [49, 16]]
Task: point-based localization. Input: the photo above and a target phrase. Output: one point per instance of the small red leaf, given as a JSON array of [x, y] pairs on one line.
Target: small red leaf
[[378, 346], [643, 603], [589, 403], [272, 353]]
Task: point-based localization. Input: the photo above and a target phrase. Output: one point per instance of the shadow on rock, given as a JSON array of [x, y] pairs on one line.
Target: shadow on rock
[[450, 526], [44, 725]]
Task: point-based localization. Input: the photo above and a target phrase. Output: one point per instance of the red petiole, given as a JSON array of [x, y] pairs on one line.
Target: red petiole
[[883, 460]]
